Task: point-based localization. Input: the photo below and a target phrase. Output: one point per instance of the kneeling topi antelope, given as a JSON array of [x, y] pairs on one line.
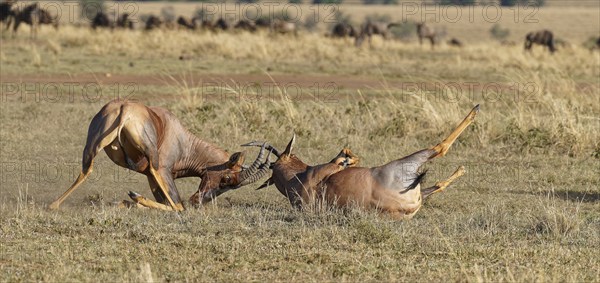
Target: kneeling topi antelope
[[151, 141], [393, 188]]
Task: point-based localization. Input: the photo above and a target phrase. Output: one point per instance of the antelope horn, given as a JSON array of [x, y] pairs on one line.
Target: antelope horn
[[254, 167], [267, 146], [267, 183], [263, 170]]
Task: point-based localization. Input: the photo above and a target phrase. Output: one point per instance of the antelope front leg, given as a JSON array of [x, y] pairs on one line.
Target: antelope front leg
[[158, 195], [443, 147], [141, 200]]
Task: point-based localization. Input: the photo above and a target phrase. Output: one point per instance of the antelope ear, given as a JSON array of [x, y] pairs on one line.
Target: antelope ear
[[290, 146], [236, 159]]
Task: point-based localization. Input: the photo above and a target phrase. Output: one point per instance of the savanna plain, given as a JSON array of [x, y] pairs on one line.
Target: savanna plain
[[527, 209]]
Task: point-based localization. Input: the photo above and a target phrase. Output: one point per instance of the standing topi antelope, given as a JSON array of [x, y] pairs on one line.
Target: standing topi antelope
[[424, 31], [151, 141], [393, 188], [542, 37], [298, 181]]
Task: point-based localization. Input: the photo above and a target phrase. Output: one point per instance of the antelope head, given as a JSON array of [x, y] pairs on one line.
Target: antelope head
[[230, 176], [298, 181]]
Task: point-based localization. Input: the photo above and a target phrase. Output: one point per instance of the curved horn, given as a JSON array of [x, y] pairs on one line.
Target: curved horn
[[290, 146], [267, 146], [255, 165], [262, 171]]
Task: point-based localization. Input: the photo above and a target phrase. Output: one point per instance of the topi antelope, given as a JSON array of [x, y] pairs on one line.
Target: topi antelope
[[151, 141], [298, 181], [424, 31], [393, 188], [542, 37]]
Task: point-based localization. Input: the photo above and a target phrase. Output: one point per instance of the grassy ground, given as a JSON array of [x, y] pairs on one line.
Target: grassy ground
[[527, 209]]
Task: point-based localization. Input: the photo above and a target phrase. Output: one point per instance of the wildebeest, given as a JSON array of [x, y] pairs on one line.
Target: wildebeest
[[263, 23], [101, 20], [187, 23], [6, 13], [222, 24], [343, 30], [34, 16], [124, 21], [153, 22], [369, 29], [455, 42], [541, 37], [424, 31], [207, 24], [246, 25]]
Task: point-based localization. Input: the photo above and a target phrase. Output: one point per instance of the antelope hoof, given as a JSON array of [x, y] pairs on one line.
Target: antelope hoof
[[134, 196], [474, 112]]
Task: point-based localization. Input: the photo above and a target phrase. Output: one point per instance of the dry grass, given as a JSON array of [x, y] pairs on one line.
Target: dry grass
[[527, 209]]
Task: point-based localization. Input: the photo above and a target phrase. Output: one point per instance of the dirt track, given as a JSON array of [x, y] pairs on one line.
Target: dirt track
[[198, 79]]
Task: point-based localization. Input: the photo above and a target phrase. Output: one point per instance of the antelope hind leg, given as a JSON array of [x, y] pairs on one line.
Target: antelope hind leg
[[82, 176], [442, 148], [141, 200], [442, 185]]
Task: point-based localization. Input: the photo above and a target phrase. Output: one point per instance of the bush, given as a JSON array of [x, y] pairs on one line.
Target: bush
[[168, 13], [89, 8], [456, 2], [340, 17], [380, 2], [498, 32], [327, 1], [509, 3]]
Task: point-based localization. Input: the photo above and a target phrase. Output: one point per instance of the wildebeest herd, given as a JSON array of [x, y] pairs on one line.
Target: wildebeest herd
[[34, 16]]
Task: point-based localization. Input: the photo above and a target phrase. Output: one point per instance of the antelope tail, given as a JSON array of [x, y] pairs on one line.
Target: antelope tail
[[123, 117], [418, 180]]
